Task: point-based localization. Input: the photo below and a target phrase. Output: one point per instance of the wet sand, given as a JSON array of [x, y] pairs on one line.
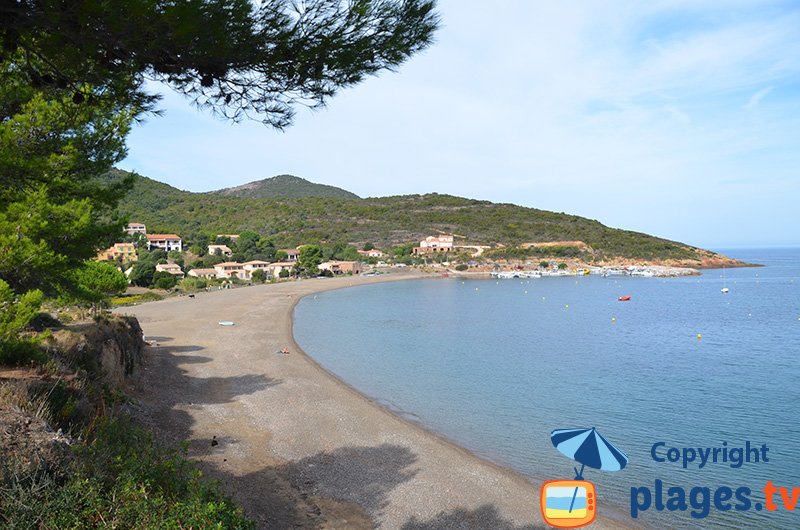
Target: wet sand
[[296, 447]]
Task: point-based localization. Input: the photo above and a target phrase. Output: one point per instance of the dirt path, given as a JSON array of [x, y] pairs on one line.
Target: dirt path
[[296, 447]]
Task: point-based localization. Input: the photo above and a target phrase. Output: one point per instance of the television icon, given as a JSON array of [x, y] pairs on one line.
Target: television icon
[[568, 503]]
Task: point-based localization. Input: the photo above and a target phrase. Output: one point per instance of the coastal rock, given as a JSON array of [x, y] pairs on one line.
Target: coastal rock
[[110, 349]]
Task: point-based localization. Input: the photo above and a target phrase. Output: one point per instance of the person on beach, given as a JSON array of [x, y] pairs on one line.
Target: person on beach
[[285, 350]]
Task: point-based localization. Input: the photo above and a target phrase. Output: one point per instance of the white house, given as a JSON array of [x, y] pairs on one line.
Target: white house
[[165, 242], [136, 228], [219, 250], [433, 244], [374, 253]]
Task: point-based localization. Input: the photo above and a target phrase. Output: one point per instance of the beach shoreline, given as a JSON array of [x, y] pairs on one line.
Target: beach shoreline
[[336, 458]]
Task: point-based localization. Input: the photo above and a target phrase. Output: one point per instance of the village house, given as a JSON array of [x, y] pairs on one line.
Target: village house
[[167, 242], [433, 244], [374, 253], [219, 250], [252, 266], [341, 267], [274, 269], [291, 254], [171, 268], [232, 237], [231, 269], [203, 273], [125, 252], [136, 228]]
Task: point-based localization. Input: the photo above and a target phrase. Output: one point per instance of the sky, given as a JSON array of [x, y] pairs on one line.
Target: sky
[[676, 118]]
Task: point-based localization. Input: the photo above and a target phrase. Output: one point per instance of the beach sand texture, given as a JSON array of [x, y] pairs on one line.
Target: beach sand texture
[[296, 447]]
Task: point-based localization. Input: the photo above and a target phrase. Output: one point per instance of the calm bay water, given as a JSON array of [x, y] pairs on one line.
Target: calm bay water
[[496, 365]]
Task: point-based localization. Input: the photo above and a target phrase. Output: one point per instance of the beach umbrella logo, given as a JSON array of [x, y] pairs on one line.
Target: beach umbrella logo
[[573, 503]]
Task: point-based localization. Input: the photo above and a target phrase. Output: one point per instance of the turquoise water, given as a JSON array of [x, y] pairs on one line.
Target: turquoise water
[[495, 366]]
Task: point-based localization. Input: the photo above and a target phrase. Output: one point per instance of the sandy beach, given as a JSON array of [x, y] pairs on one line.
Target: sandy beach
[[292, 444]]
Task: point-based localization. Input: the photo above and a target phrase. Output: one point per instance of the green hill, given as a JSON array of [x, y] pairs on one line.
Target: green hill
[[390, 221], [285, 187]]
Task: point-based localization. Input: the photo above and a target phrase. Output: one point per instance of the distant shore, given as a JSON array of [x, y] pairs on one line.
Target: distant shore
[[295, 446]]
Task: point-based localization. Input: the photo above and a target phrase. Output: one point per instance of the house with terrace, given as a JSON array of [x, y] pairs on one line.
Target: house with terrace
[[231, 269], [166, 242], [125, 252]]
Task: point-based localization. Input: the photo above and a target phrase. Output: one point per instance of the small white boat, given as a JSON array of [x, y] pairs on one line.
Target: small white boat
[[724, 289]]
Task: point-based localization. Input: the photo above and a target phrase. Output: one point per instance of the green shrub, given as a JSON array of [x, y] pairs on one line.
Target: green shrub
[[164, 280], [120, 479], [259, 276], [16, 312], [190, 283], [462, 267], [135, 299]]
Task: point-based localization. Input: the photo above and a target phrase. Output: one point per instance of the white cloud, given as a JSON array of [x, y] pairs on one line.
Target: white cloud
[[756, 98]]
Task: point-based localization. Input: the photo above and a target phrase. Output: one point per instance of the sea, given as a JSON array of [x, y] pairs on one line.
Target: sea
[[496, 365]]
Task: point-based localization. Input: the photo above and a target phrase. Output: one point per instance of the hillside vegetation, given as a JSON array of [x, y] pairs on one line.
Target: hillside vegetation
[[389, 221]]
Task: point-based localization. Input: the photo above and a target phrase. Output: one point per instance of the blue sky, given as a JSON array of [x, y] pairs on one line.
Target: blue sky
[[676, 118]]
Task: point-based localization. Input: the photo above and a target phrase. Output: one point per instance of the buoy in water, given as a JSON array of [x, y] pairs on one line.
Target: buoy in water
[[567, 306], [613, 319], [526, 292], [699, 336]]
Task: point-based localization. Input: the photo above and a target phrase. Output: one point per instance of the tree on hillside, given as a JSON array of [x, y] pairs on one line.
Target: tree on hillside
[[142, 273], [309, 259], [245, 248], [199, 245], [96, 281], [349, 253], [239, 58]]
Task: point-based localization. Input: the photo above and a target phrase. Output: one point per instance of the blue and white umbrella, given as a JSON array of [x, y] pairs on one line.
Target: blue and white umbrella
[[589, 448]]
